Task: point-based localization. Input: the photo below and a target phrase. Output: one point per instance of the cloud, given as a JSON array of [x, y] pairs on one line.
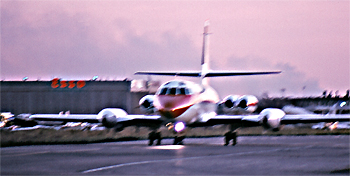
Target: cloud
[[61, 45], [308, 41]]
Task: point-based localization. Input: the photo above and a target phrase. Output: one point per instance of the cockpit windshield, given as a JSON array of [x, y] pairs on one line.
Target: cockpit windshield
[[174, 88], [163, 91], [172, 91], [175, 91]]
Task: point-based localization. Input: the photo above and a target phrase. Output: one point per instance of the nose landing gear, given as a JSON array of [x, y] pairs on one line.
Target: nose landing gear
[[178, 140], [154, 136], [230, 135]]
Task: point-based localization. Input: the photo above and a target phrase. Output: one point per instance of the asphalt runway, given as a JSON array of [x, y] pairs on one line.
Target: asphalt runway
[[253, 155]]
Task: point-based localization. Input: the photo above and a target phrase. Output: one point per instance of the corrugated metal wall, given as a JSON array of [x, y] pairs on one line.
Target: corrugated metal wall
[[42, 97]]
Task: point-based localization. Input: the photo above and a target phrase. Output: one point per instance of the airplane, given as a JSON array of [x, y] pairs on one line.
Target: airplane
[[181, 104]]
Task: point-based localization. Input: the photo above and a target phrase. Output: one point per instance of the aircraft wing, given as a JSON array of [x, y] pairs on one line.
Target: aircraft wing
[[271, 118], [128, 120], [247, 120], [142, 120], [65, 118], [315, 118]]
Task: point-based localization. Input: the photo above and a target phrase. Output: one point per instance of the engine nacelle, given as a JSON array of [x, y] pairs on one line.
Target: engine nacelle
[[146, 104], [230, 101], [248, 103], [110, 117], [270, 118]]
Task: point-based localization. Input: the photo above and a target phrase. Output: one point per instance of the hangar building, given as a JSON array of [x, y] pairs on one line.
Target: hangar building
[[78, 97]]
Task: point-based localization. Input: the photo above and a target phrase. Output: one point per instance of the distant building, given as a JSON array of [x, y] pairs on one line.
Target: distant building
[[144, 85], [78, 97]]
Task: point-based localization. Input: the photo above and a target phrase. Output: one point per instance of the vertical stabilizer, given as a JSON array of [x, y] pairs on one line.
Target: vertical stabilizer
[[205, 53], [205, 73]]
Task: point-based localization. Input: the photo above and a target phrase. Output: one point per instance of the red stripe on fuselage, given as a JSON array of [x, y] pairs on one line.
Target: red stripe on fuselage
[[174, 113], [253, 104], [172, 106]]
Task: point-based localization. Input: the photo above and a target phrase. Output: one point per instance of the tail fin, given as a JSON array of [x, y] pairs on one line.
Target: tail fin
[[205, 54], [206, 72]]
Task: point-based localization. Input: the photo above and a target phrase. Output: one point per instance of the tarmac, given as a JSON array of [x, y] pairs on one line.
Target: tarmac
[[253, 155]]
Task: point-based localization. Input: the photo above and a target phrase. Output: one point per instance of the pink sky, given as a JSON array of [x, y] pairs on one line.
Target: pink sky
[[307, 40]]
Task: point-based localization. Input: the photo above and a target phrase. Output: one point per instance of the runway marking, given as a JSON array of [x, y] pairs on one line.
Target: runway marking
[[24, 154], [188, 158], [47, 151], [80, 150]]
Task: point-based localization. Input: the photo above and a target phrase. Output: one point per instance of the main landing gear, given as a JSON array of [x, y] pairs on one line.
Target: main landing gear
[[157, 136], [154, 136], [178, 140], [231, 135]]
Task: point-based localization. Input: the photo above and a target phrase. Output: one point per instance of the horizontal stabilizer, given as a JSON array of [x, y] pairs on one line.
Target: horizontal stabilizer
[[209, 74], [189, 74], [236, 73]]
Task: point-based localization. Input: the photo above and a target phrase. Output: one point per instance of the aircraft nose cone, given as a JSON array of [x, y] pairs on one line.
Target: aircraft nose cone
[[169, 105], [173, 102], [173, 106]]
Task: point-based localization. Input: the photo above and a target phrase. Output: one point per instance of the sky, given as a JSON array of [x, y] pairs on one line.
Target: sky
[[73, 40]]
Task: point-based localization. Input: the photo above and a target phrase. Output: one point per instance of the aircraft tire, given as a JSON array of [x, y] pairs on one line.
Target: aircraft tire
[[151, 137], [159, 138], [230, 135], [227, 138], [178, 140], [234, 138]]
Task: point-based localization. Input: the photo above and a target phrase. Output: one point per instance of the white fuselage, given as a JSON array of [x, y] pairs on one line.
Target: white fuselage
[[185, 101]]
